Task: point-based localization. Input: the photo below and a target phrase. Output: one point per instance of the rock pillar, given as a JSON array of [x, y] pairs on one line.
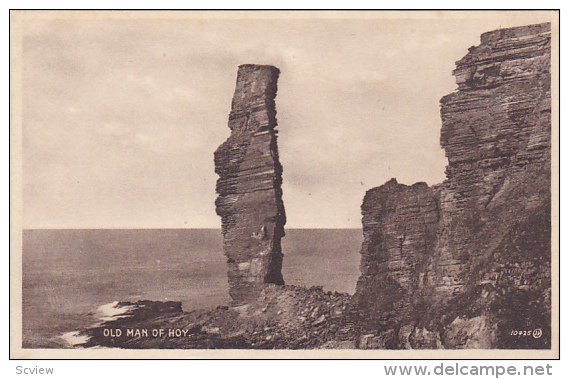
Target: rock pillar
[[249, 186]]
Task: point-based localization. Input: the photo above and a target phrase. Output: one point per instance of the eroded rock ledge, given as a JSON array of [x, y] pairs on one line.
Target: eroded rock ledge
[[249, 186], [466, 263]]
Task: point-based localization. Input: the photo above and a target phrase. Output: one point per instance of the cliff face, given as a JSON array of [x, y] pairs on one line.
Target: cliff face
[[399, 226], [249, 186], [466, 264]]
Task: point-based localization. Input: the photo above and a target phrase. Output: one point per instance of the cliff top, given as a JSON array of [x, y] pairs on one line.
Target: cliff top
[[515, 32]]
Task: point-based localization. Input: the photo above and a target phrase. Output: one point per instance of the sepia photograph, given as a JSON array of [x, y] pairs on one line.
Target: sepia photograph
[[284, 184]]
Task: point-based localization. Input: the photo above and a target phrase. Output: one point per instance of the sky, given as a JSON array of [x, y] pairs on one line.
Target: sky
[[121, 113]]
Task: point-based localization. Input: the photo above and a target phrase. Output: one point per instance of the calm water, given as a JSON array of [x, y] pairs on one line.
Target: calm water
[[67, 274]]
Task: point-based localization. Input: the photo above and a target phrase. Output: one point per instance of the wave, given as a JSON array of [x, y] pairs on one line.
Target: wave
[[113, 311], [105, 313]]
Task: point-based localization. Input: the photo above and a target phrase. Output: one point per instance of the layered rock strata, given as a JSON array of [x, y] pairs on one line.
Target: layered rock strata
[[249, 186], [466, 263]]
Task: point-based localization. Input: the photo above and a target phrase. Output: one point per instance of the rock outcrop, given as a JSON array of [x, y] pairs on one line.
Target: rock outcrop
[[466, 263], [249, 186], [399, 224], [281, 317]]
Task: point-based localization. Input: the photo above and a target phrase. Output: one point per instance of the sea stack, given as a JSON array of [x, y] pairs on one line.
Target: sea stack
[[464, 263], [249, 186]]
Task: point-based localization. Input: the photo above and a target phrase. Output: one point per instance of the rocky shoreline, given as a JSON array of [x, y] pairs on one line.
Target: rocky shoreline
[[282, 317]]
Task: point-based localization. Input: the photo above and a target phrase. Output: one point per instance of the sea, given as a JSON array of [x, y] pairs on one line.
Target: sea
[[67, 275]]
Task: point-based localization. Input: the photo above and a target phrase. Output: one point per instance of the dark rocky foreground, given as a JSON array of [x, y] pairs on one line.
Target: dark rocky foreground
[[462, 264], [282, 317]]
